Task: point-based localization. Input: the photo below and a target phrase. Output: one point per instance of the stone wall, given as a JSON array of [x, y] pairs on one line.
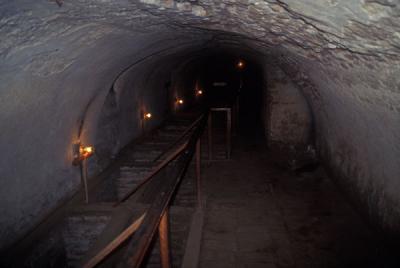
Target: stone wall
[[357, 126], [55, 79], [288, 120], [59, 63]]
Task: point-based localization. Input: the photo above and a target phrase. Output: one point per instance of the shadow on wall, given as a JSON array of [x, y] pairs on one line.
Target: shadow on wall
[[107, 142], [289, 125]]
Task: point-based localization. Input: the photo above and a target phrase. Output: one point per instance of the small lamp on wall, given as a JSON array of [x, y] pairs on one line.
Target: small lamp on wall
[[81, 153], [240, 64], [146, 116], [178, 104]]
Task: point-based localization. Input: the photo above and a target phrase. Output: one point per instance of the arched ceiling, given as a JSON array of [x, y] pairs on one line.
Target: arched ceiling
[[59, 58]]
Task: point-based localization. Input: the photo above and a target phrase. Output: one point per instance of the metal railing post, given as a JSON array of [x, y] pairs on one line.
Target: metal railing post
[[228, 133], [198, 173], [84, 176], [155, 218], [210, 136], [164, 240]]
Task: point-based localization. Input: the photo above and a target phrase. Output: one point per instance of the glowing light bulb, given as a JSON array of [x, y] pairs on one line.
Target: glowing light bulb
[[86, 151], [240, 64], [147, 115], [199, 92], [180, 101]]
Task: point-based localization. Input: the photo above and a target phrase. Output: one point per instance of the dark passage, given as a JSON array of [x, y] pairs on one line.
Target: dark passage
[[234, 82], [108, 152], [227, 176]]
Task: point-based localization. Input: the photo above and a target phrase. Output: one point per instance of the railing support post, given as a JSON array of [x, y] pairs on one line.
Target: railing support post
[[209, 136], [198, 172], [164, 240], [84, 175], [228, 132]]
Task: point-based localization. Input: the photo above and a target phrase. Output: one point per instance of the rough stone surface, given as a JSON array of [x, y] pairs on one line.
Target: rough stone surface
[[59, 63], [288, 120]]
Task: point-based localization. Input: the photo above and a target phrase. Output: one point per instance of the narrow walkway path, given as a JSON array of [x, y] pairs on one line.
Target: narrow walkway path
[[260, 216]]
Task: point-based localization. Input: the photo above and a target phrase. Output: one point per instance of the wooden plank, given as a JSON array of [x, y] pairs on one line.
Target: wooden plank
[[193, 244], [198, 172], [122, 217], [209, 137], [228, 133], [84, 175], [164, 240], [109, 248]]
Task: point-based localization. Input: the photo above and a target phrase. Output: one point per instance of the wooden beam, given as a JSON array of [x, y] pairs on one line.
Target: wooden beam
[[193, 244], [109, 248], [84, 177], [228, 132], [210, 136], [164, 240], [198, 173]]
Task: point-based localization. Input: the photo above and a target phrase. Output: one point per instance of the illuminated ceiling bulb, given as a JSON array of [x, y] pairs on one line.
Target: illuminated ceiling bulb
[[240, 64], [199, 92], [180, 101], [147, 115]]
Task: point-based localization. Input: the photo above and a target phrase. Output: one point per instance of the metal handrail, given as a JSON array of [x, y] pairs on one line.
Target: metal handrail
[[144, 228], [154, 172], [172, 145], [165, 162], [143, 236]]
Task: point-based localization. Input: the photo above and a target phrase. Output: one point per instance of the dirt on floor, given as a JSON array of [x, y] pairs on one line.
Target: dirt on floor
[[261, 215]]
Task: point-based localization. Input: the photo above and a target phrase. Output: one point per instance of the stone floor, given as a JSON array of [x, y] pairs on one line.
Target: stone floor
[[261, 216]]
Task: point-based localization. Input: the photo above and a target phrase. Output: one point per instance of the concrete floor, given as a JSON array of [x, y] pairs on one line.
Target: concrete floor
[[261, 216]]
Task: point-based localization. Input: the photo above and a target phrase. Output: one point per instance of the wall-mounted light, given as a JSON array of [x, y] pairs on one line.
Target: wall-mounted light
[[179, 101], [86, 151], [147, 115], [81, 154], [240, 64], [199, 92]]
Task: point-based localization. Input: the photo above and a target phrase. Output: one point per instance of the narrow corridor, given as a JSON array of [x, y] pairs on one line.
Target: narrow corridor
[[101, 110]]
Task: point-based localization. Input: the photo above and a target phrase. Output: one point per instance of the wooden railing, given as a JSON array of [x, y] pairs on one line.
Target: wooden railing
[[142, 230]]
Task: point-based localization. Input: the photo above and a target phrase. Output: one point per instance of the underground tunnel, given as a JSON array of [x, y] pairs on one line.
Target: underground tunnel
[[199, 133]]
